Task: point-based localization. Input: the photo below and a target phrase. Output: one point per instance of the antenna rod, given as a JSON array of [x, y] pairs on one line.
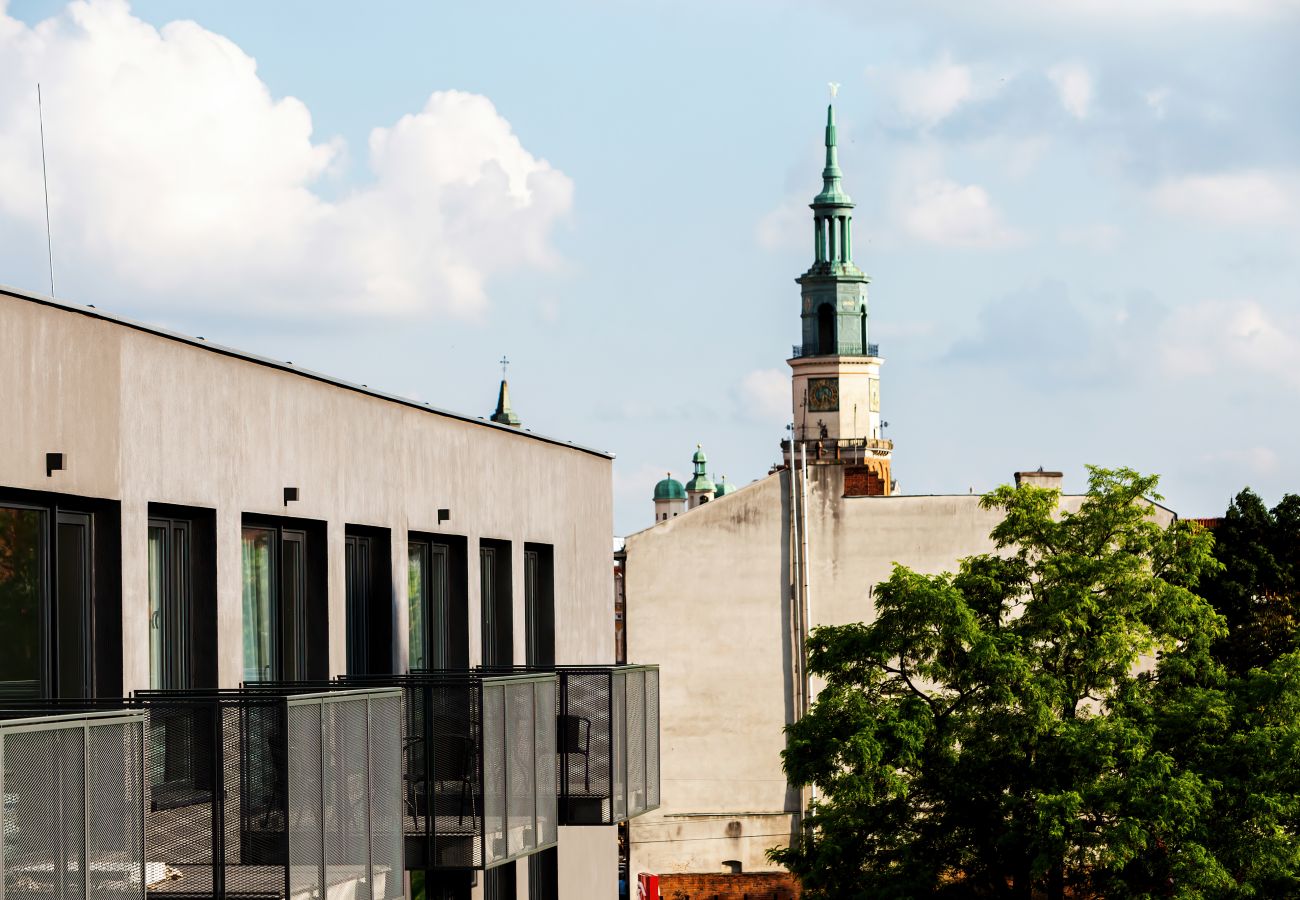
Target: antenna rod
[[45, 179]]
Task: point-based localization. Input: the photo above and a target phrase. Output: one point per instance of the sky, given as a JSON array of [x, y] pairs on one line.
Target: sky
[[1081, 219]]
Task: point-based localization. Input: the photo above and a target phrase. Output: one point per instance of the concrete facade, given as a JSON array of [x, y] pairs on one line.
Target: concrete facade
[[144, 416], [715, 595]]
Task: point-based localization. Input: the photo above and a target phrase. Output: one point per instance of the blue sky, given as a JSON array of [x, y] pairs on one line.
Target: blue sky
[[1082, 221]]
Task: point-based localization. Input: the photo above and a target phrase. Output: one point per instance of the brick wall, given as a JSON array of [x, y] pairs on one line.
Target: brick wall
[[751, 886]]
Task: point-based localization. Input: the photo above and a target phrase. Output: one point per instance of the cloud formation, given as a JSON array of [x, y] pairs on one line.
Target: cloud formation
[[1252, 197], [180, 180], [944, 212]]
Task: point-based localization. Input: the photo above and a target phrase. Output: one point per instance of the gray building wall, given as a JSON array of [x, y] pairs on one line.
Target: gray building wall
[[144, 417]]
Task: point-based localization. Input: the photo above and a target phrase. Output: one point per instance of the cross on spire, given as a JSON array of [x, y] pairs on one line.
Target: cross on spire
[[504, 364]]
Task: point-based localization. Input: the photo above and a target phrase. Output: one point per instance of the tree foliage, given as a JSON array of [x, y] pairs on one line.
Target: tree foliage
[[1003, 731], [1258, 589]]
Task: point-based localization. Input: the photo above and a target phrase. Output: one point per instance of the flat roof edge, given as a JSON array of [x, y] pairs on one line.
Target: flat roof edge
[[221, 349]]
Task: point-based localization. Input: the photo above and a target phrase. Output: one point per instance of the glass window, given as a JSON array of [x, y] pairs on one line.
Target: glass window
[[495, 599], [170, 604], [417, 598], [260, 644], [22, 601], [73, 539]]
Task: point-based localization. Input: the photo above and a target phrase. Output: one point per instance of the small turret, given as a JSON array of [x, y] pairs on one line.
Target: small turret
[[724, 487], [504, 414], [670, 498], [700, 488]]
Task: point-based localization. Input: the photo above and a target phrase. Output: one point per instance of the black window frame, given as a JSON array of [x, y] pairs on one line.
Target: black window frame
[[99, 620], [302, 637], [190, 599], [368, 586], [445, 647], [539, 605], [496, 603]]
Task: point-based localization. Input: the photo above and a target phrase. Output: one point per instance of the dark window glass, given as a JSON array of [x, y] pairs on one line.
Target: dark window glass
[[544, 875], [494, 595], [73, 537], [500, 883], [539, 605], [293, 603], [171, 604], [22, 601], [356, 564]]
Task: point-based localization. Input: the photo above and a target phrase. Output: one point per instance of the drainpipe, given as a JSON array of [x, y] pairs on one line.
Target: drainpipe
[[807, 599]]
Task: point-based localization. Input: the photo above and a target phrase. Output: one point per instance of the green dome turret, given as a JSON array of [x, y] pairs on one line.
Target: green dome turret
[[670, 489], [700, 481], [724, 487]]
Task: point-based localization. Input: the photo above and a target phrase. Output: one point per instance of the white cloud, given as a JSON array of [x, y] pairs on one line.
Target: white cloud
[[176, 177], [944, 212], [765, 395], [1254, 197], [1074, 87], [929, 95], [1238, 336]]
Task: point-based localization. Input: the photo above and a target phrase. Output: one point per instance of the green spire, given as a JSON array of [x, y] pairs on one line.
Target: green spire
[[504, 414], [832, 194]]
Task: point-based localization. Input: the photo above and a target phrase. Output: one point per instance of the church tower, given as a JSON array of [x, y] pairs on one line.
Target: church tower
[[835, 370]]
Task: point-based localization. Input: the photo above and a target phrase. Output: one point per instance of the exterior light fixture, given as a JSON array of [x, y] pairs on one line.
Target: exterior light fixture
[[290, 495], [443, 515], [53, 463]]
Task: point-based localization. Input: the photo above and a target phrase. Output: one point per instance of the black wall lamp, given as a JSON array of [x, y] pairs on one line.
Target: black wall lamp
[[53, 463], [443, 515], [290, 495]]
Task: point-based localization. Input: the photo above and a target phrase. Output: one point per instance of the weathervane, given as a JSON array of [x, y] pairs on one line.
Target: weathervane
[[504, 363], [835, 88]]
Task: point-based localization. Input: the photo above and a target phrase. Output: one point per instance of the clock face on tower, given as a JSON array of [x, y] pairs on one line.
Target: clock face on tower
[[823, 395]]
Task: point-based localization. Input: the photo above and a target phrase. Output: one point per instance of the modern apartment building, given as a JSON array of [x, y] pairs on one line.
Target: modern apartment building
[[176, 515]]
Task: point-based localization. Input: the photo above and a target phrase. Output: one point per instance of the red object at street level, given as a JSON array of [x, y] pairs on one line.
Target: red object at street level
[[647, 887]]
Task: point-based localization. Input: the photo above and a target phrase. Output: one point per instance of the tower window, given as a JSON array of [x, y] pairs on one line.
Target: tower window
[[826, 343]]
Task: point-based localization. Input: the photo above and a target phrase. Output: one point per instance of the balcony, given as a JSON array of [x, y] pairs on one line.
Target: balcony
[[73, 811], [608, 733], [844, 349], [260, 794], [479, 766]]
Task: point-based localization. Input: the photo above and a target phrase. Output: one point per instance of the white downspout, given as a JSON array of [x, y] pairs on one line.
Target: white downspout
[[807, 598]]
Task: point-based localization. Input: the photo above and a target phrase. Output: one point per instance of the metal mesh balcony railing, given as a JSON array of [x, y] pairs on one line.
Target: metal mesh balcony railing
[[73, 806], [255, 794], [479, 766], [258, 794], [608, 733]]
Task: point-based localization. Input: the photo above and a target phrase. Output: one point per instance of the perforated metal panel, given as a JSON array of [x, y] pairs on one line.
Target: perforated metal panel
[[546, 762], [73, 806], [385, 741], [306, 828], [652, 737], [608, 741]]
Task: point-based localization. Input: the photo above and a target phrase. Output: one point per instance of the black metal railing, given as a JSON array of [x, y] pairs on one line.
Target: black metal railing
[[72, 817], [844, 348]]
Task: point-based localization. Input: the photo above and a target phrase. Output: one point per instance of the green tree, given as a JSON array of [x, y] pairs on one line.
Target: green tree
[[1001, 731], [1258, 589]]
